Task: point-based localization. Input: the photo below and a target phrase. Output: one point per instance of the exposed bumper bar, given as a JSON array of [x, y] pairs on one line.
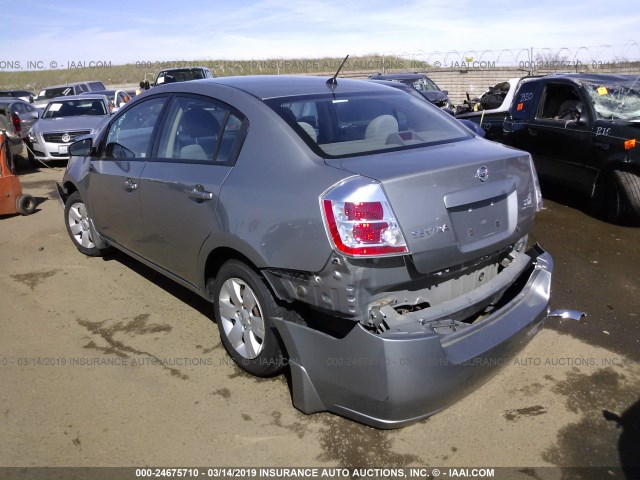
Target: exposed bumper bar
[[571, 314], [392, 380]]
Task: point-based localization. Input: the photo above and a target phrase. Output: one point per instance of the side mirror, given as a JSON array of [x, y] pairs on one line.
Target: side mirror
[[115, 150], [81, 148], [446, 92]]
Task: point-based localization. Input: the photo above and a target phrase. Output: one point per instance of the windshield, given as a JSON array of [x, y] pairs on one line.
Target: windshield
[[354, 124], [422, 84], [73, 108], [616, 101], [55, 92], [179, 76]]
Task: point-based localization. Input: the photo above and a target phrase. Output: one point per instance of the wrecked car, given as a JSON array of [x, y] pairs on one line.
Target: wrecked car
[[358, 236], [582, 131], [490, 109], [422, 83]]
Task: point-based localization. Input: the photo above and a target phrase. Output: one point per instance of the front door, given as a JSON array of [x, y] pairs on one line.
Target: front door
[[114, 176]]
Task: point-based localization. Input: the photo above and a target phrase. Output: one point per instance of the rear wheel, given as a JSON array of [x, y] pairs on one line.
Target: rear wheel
[[79, 226], [243, 308]]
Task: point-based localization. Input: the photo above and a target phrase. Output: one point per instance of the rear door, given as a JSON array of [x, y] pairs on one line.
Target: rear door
[[195, 149], [114, 177]]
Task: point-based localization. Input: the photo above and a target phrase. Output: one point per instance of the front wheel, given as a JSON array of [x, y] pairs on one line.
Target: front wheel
[[79, 226], [243, 308], [630, 185]]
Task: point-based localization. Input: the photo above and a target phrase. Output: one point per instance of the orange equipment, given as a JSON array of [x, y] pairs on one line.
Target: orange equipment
[[11, 198]]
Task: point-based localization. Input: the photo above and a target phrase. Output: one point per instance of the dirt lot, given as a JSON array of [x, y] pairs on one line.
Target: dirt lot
[[105, 363]]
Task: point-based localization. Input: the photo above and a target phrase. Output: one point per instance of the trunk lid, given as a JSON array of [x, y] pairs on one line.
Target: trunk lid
[[454, 202]]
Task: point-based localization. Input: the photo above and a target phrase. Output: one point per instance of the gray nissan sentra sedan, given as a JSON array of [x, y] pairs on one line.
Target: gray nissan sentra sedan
[[346, 231]]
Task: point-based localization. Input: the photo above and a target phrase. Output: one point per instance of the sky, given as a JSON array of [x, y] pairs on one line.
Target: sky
[[121, 32]]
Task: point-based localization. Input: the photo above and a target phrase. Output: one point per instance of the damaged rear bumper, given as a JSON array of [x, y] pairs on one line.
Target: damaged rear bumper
[[394, 378]]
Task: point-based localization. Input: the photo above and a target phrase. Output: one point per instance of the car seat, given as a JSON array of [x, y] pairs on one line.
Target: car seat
[[199, 130], [570, 110], [383, 128]]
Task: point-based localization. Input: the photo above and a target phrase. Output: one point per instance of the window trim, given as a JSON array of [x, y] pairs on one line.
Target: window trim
[[100, 154], [233, 154]]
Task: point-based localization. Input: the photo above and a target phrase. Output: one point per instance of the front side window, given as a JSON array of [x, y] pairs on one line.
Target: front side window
[[200, 130], [562, 102], [130, 135], [358, 123]]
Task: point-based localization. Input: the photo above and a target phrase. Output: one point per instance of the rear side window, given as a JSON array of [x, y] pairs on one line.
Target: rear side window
[[359, 123], [130, 135], [523, 104], [200, 129]]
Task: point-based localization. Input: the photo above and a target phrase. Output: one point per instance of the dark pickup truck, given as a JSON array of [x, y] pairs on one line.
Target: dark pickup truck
[[582, 131]]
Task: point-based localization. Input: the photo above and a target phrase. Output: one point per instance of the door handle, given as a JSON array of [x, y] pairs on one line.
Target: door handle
[[130, 185], [532, 132], [199, 193]]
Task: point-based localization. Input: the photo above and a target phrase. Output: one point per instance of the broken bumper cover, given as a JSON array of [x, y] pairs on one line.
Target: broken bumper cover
[[390, 380]]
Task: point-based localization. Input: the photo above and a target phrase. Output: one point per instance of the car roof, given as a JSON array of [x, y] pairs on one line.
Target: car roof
[[183, 69], [70, 84], [91, 96], [12, 100], [587, 77], [276, 86], [398, 76], [100, 92], [390, 83]]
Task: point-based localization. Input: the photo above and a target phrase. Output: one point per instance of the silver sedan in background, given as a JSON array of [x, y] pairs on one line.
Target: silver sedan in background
[[64, 120]]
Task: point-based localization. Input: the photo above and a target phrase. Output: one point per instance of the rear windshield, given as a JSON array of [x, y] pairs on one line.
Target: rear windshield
[[73, 108], [359, 123]]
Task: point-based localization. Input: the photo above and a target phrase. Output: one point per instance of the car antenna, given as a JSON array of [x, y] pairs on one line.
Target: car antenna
[[332, 82]]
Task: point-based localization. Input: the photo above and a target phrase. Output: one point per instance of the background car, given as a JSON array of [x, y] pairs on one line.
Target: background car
[[117, 98], [75, 88], [422, 83], [474, 127], [582, 131], [491, 108], [21, 94], [64, 120], [328, 219], [17, 118]]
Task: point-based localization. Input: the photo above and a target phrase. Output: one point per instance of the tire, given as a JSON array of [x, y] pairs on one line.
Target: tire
[[630, 186], [77, 220], [609, 203], [243, 307], [25, 204]]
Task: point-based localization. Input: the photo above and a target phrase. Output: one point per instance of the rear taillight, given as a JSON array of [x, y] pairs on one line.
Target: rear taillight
[[15, 119], [360, 221]]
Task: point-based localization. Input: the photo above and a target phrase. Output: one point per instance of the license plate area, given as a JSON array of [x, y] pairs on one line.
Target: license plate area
[[480, 223], [63, 149]]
